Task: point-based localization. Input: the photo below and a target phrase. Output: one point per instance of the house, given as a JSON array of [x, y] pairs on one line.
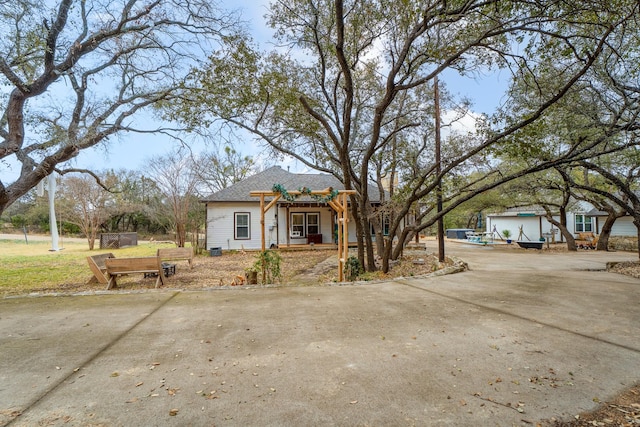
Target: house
[[532, 221], [233, 215], [529, 223], [623, 227]]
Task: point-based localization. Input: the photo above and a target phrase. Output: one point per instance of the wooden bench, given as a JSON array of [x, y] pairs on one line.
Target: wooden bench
[[586, 240], [120, 266], [176, 254], [96, 264]]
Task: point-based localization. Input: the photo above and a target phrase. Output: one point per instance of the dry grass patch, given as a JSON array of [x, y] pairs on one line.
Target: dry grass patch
[[33, 268], [628, 268]]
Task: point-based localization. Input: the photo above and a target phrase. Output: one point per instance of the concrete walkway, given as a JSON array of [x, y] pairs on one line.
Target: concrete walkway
[[524, 336]]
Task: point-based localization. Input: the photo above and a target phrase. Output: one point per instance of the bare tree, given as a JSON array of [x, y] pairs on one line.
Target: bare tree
[[220, 170], [86, 204], [174, 175], [362, 82], [80, 71]]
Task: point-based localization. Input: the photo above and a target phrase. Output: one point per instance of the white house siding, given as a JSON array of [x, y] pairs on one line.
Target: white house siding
[[283, 231], [220, 226], [532, 226], [327, 220], [623, 227]]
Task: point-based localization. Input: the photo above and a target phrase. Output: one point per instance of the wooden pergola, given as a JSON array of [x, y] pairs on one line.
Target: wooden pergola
[[338, 204]]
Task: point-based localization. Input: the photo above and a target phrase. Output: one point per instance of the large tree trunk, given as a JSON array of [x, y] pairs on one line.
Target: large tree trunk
[[605, 232], [636, 222], [359, 232], [371, 259], [563, 220], [365, 250], [571, 241]]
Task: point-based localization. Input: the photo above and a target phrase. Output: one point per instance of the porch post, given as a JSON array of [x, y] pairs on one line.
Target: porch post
[[339, 205], [345, 234], [262, 220], [341, 259], [264, 272], [286, 221]]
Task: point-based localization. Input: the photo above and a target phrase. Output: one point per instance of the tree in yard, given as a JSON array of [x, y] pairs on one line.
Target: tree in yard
[[550, 190], [358, 78], [137, 203], [612, 181], [593, 188], [220, 170], [174, 175], [601, 112], [79, 72], [87, 204], [621, 185]]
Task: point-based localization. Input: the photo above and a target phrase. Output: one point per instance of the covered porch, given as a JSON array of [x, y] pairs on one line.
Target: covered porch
[[303, 225]]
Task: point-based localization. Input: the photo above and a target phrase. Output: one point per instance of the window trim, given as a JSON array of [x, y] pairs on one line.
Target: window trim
[[583, 220], [385, 225], [304, 232], [306, 217], [295, 233], [235, 225]]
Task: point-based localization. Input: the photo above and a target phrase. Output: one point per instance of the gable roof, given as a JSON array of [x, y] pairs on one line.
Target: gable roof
[[265, 180], [533, 210], [575, 207]]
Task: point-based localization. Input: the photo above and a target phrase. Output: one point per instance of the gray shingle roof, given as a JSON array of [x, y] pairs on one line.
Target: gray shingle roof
[[596, 212], [265, 180], [534, 210]]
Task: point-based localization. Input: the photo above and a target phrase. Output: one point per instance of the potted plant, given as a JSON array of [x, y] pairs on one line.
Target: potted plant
[[507, 236]]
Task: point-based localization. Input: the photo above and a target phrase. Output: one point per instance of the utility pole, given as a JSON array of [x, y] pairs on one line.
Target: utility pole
[[436, 101]]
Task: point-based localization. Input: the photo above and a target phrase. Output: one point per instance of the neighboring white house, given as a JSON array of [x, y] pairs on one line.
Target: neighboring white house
[[583, 217], [233, 216]]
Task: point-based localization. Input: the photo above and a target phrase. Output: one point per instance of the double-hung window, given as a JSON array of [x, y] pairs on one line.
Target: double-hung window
[[297, 224], [305, 223], [242, 225], [385, 224], [313, 223], [583, 223]]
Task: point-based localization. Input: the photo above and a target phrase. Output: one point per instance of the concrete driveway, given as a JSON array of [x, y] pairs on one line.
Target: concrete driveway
[[524, 336]]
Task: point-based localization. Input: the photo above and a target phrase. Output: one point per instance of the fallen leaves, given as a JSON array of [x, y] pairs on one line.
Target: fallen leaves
[[518, 406], [623, 410], [628, 268]]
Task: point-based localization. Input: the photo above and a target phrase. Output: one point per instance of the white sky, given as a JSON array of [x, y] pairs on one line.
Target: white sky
[[130, 151]]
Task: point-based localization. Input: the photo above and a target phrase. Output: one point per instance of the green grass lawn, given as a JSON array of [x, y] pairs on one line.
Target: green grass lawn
[[26, 267]]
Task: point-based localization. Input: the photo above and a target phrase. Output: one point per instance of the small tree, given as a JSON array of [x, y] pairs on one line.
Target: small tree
[[268, 263], [218, 171], [175, 176], [86, 204]]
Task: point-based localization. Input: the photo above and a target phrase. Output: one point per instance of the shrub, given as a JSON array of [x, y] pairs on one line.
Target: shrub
[[352, 269], [269, 261]]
